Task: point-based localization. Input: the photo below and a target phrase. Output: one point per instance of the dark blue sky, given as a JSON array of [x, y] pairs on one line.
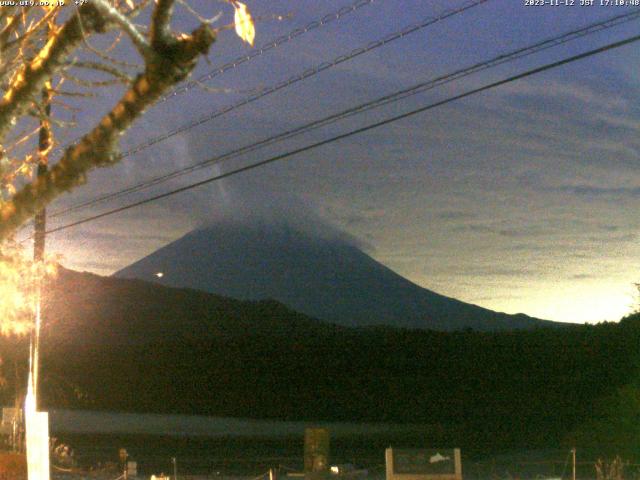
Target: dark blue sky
[[521, 199]]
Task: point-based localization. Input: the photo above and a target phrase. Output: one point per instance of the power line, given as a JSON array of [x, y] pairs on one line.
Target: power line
[[357, 131], [308, 73], [327, 19], [413, 90], [409, 29]]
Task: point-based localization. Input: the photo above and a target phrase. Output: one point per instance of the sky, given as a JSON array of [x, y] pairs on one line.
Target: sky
[[519, 199]]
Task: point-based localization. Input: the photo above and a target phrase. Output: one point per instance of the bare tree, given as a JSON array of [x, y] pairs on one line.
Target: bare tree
[[46, 48], [43, 51]]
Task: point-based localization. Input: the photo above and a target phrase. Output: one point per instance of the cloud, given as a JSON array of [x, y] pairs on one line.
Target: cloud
[[508, 232], [582, 276], [97, 266], [278, 210], [474, 228], [491, 270], [512, 232], [494, 298], [625, 121], [561, 92], [613, 238], [455, 215], [597, 191], [352, 218]]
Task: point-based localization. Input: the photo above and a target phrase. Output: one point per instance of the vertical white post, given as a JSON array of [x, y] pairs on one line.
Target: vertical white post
[[37, 437], [36, 423]]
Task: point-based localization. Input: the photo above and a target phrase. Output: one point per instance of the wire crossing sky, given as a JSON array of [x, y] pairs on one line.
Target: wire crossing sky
[[325, 20], [308, 73], [309, 27], [520, 199], [421, 87], [358, 131]]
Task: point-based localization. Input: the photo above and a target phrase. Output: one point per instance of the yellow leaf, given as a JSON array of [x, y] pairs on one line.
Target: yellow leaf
[[25, 169], [244, 23]]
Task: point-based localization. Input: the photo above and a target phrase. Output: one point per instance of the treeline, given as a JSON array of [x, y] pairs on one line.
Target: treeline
[[133, 346], [480, 390]]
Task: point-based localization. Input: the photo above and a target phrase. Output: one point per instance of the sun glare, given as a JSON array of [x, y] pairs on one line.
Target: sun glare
[[18, 277]]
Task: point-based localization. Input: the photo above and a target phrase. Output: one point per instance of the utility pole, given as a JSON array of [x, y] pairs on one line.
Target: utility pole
[[573, 452], [40, 223], [36, 422], [44, 145]]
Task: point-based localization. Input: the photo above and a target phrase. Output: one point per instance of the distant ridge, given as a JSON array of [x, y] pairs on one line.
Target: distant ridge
[[322, 277], [114, 312], [134, 346]]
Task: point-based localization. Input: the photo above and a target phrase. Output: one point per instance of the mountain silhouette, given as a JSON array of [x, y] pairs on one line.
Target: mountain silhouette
[[136, 346], [322, 276]]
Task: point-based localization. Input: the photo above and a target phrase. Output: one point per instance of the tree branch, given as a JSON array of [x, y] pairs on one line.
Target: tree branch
[[126, 25], [12, 24], [160, 24], [173, 62], [101, 67], [30, 78], [36, 28]]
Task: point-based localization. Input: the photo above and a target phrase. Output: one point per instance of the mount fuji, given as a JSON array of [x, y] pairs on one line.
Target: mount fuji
[[325, 277]]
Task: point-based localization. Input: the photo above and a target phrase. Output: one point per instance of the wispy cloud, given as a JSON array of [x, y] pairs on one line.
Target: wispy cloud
[[574, 93], [597, 191]]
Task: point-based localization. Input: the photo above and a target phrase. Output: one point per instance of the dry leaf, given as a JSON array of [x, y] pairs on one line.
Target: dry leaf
[[244, 23]]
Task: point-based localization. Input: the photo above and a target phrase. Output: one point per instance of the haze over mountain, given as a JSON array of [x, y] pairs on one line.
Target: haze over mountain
[[323, 275]]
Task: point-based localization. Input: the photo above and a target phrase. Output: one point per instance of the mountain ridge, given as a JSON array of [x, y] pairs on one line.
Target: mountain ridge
[[131, 311], [325, 277], [129, 345]]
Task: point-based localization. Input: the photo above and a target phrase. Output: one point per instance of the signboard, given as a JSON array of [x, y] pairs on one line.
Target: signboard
[[316, 449], [10, 415], [11, 418], [423, 464]]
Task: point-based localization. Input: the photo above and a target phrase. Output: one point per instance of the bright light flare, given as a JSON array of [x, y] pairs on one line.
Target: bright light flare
[[18, 279]]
